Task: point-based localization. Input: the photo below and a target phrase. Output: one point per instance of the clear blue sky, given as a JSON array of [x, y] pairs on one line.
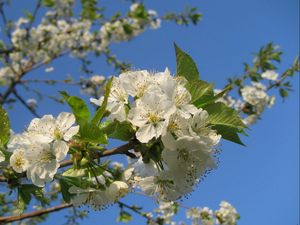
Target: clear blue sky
[[260, 180]]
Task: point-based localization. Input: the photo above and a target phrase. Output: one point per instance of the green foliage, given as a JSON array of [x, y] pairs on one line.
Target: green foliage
[[228, 133], [92, 133], [101, 111], [28, 15], [201, 92], [118, 130], [25, 194], [189, 15], [283, 93], [66, 182], [124, 217], [185, 65], [89, 9], [48, 3], [4, 127], [139, 13], [266, 55], [24, 199], [225, 120], [78, 106]]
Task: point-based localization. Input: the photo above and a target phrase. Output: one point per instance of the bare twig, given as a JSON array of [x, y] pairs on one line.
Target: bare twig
[[7, 219], [25, 104]]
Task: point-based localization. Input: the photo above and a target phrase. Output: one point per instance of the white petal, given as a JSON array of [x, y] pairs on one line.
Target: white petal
[[146, 133], [97, 102], [64, 121], [71, 132], [60, 149]]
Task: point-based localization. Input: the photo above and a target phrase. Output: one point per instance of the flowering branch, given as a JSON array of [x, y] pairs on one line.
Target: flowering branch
[[122, 149]]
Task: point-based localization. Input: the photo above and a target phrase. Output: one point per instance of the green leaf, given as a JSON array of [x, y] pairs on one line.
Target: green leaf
[[78, 106], [64, 186], [186, 66], [24, 198], [48, 3], [119, 130], [28, 15], [35, 191], [221, 114], [89, 9], [101, 111], [92, 133], [226, 121], [67, 182], [228, 133], [64, 94], [200, 91], [223, 92], [4, 127], [283, 93], [124, 217]]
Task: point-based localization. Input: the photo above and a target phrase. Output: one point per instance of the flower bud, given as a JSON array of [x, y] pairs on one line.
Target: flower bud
[[117, 190]]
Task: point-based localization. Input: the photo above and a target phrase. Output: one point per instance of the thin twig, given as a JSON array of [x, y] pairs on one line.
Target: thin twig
[[7, 219], [25, 104]]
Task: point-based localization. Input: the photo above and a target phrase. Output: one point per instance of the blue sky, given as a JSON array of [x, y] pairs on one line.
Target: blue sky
[[260, 180]]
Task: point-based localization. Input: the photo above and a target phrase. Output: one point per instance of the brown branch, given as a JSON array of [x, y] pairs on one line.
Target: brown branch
[[31, 109], [8, 219], [123, 149]]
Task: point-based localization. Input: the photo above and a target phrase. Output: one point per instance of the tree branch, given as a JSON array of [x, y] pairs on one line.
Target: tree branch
[[7, 219], [25, 104], [122, 149]]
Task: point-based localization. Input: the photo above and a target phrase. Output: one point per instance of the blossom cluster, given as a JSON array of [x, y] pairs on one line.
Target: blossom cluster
[[59, 33], [39, 150], [166, 211], [129, 27], [254, 98], [226, 215], [99, 198], [158, 106]]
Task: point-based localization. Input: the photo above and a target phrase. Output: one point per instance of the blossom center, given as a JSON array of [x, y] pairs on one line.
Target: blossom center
[[173, 126], [19, 162], [57, 134], [153, 118], [183, 154], [47, 157]]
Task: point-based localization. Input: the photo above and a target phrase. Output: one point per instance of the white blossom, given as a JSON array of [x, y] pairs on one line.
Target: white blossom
[[227, 214], [117, 101], [150, 114], [18, 161], [270, 75]]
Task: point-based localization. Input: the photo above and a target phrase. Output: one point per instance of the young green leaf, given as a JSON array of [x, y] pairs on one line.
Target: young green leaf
[[78, 106], [200, 91], [101, 111], [124, 217], [221, 114], [228, 133], [4, 127], [24, 199], [225, 121], [119, 130], [67, 182], [186, 66], [92, 133]]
